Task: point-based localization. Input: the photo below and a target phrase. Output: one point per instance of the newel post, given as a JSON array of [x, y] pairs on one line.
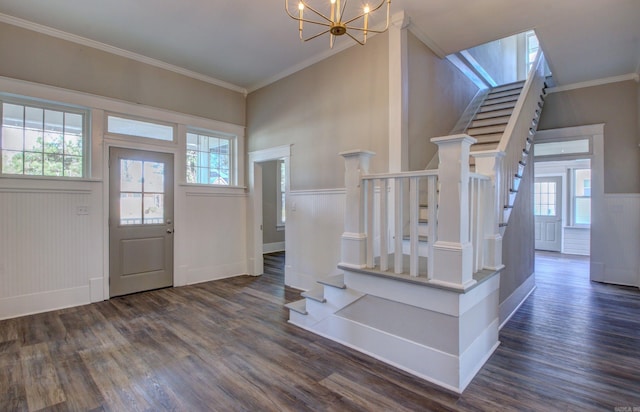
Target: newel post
[[354, 238], [453, 251], [489, 163]]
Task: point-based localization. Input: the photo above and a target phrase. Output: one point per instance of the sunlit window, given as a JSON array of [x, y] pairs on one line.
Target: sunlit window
[[210, 159], [42, 140]]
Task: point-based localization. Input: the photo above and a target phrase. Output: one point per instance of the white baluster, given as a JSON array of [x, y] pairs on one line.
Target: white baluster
[[398, 226]]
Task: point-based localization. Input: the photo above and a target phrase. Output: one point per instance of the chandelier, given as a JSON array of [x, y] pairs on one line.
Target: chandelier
[[337, 19]]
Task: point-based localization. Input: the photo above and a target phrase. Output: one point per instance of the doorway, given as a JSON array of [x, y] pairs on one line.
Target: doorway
[[140, 220], [547, 209]]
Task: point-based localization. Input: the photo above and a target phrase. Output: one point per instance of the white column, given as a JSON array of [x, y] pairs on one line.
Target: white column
[[489, 163], [398, 94], [453, 252], [354, 238]]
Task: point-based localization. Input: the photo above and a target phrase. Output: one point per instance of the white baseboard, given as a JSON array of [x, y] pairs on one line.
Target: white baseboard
[[511, 304], [96, 285], [15, 306], [273, 247], [209, 273]]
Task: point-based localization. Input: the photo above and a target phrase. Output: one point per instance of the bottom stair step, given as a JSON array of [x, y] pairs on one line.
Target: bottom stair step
[[336, 281], [316, 294], [299, 306]]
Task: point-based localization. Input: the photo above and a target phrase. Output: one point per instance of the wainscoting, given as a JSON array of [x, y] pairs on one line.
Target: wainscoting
[[315, 223]]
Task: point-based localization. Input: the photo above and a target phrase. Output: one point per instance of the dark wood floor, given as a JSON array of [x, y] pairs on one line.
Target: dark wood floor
[[226, 345]]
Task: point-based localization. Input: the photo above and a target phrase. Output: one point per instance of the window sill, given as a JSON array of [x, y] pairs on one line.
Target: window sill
[[587, 227], [199, 189], [19, 183]]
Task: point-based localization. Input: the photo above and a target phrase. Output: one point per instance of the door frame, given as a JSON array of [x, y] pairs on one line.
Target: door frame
[[109, 141], [563, 204], [596, 133], [255, 263]]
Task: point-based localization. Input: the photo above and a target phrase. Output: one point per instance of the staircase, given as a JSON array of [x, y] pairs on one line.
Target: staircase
[[427, 301]]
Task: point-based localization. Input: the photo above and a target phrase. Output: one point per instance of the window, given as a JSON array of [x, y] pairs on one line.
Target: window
[[532, 49], [544, 199], [563, 147], [280, 197], [139, 128], [210, 159], [42, 140], [581, 198], [141, 192]]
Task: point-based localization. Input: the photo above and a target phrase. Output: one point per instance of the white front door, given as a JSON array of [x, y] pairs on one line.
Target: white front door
[[140, 221], [547, 208]]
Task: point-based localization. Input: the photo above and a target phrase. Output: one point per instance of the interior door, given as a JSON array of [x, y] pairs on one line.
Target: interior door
[[547, 209], [140, 221]]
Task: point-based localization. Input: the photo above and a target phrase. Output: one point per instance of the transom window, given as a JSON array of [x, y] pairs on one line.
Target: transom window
[[210, 159], [139, 128], [42, 140]]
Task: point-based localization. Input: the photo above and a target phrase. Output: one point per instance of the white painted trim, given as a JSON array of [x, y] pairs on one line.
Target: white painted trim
[[255, 263], [511, 304], [49, 31], [96, 288], [23, 305], [311, 192], [273, 247], [204, 274], [596, 82], [72, 97]]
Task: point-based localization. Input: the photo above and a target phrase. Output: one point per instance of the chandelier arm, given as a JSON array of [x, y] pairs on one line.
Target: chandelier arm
[[363, 30], [373, 11], [344, 7], [286, 8], [354, 39], [317, 35]]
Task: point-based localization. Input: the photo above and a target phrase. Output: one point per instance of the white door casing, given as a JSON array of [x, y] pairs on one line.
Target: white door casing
[[548, 213]]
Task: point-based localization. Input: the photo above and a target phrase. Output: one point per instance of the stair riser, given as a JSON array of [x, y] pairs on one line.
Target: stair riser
[[490, 122], [505, 93], [510, 86], [493, 107], [496, 113]]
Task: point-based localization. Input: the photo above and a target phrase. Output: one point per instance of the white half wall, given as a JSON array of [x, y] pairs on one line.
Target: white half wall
[[315, 223]]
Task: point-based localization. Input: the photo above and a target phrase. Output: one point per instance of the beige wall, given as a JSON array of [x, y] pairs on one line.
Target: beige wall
[[616, 105], [35, 57], [518, 241], [438, 95], [338, 104], [270, 183]]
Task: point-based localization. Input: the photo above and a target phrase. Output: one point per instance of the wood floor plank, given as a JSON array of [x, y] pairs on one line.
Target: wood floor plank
[[227, 346], [42, 386]]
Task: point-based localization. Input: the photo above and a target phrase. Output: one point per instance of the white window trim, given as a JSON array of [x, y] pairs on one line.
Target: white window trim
[[280, 224], [24, 100], [236, 157]]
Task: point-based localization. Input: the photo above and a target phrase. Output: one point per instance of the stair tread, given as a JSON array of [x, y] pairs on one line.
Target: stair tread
[[473, 131], [491, 121], [493, 113], [509, 86], [504, 93], [316, 294], [496, 100], [497, 106], [489, 138], [484, 146], [336, 281], [299, 306]]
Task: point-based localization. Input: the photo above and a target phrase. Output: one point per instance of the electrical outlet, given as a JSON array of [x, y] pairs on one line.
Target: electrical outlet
[[82, 210]]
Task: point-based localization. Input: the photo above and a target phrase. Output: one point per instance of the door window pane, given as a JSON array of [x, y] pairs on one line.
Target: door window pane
[[130, 175], [130, 208], [544, 196], [153, 208], [154, 177]]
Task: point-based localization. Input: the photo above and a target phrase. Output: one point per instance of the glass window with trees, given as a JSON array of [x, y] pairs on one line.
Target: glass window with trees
[[210, 159], [582, 196], [42, 140]]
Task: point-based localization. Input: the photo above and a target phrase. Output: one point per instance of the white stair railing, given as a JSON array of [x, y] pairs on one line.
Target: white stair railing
[[459, 204]]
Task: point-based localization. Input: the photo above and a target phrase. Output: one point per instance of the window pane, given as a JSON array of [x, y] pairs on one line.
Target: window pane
[[33, 163], [53, 165], [73, 144], [13, 115], [583, 211], [154, 177], [139, 128], [12, 162], [73, 123], [12, 138], [130, 175], [582, 182], [53, 121], [33, 140], [53, 142], [34, 118], [153, 209], [73, 166], [130, 208]]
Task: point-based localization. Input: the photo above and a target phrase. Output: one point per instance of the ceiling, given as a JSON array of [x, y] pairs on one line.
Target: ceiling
[[249, 43]]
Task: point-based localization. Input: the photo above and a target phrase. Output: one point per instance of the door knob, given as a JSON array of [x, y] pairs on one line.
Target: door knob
[[169, 231]]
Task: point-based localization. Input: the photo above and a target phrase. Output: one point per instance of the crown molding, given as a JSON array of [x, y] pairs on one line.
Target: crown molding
[[25, 24], [596, 82]]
